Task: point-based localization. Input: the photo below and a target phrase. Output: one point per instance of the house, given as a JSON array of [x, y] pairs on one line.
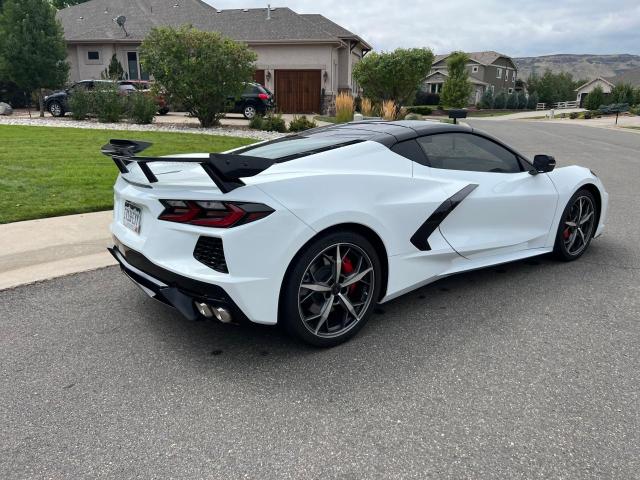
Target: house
[[304, 59], [487, 70], [584, 90]]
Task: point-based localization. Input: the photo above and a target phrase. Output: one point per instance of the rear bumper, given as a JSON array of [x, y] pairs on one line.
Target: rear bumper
[[170, 288]]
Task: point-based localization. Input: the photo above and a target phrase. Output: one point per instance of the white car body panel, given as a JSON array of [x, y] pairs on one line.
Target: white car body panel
[[507, 217]]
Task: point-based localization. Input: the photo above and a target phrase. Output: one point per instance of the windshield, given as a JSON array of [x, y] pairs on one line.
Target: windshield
[[295, 147]]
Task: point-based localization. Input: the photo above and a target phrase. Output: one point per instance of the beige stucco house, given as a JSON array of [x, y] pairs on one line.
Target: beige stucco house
[[304, 59], [583, 90], [487, 70]]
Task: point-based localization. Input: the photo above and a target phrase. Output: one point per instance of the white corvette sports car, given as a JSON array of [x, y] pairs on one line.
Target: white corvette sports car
[[313, 229]]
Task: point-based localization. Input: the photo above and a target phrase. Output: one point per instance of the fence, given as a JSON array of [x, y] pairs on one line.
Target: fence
[[558, 105]]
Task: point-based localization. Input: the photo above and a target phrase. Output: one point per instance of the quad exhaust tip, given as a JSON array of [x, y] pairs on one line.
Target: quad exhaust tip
[[219, 313]]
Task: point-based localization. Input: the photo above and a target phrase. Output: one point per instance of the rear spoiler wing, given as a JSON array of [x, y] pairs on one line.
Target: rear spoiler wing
[[224, 169]]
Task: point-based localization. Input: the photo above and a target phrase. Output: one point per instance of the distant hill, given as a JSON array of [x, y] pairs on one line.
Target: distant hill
[[615, 68]]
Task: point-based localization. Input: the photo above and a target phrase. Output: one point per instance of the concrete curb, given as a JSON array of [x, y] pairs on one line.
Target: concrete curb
[[47, 248]]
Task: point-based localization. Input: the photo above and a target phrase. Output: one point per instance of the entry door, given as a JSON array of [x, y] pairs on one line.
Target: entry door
[[501, 208], [297, 91]]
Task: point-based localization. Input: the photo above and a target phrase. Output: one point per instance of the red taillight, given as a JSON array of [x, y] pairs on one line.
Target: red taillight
[[208, 213], [263, 96]]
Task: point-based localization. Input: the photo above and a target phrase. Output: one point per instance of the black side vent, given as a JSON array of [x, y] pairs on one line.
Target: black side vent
[[209, 251]]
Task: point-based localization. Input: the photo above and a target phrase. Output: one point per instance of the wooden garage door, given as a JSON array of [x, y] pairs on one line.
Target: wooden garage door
[[259, 77], [298, 91]]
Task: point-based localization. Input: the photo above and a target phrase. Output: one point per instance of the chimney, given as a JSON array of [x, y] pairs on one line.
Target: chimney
[[269, 12]]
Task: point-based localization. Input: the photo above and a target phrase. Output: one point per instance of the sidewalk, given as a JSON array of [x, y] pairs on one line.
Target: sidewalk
[[53, 247]]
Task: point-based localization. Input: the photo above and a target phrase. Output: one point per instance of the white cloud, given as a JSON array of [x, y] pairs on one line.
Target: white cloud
[[514, 27]]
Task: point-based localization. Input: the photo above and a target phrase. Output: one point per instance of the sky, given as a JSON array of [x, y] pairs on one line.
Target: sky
[[515, 27]]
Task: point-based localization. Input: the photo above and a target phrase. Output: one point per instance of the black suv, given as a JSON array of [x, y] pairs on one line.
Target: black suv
[[57, 104], [255, 100]]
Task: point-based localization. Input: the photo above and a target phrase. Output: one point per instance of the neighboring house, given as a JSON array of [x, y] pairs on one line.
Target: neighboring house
[[584, 90], [487, 70], [304, 59]]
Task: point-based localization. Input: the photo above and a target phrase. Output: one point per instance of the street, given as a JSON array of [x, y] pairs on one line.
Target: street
[[526, 370]]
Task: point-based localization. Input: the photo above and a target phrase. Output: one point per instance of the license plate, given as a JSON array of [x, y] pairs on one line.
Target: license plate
[[132, 216]]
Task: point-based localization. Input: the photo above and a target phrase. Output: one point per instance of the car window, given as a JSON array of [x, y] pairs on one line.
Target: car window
[[410, 149], [466, 151]]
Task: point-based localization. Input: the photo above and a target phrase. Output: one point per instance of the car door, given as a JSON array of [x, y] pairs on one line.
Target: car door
[[502, 208]]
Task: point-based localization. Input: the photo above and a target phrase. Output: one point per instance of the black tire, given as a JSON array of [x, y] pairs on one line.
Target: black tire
[[582, 233], [366, 291], [56, 109], [163, 111], [249, 111]]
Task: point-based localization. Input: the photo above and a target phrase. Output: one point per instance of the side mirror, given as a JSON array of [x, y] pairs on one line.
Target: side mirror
[[543, 163]]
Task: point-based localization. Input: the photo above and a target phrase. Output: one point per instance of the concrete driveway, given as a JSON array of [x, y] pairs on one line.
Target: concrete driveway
[[527, 370]]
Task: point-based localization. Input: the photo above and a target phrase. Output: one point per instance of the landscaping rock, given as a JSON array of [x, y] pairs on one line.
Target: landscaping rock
[[5, 109]]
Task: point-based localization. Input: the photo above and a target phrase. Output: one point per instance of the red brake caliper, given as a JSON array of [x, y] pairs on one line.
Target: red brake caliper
[[347, 268], [566, 234]]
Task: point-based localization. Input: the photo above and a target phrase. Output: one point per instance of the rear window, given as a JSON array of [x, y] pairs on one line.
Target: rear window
[[295, 147]]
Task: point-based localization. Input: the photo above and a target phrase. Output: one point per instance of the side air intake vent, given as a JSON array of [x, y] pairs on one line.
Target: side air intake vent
[[209, 251]]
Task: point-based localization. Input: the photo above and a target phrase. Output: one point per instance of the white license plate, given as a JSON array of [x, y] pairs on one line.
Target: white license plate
[[132, 216]]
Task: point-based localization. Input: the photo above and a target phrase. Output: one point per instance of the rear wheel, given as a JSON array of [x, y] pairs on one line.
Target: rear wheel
[[249, 111], [331, 289], [577, 226], [56, 109]]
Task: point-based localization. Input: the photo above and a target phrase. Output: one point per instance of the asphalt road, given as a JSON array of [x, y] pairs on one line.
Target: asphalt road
[[528, 370]]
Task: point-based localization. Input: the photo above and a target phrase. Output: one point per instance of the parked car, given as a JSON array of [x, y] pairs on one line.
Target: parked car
[[57, 104], [255, 100], [314, 229], [145, 86]]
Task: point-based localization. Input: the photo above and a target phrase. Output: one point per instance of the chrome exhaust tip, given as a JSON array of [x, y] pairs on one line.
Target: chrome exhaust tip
[[205, 310], [222, 314]]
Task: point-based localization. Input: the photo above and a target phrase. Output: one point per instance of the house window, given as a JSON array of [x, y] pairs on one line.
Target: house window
[[510, 90], [499, 75], [134, 69], [93, 55], [506, 74], [474, 69]]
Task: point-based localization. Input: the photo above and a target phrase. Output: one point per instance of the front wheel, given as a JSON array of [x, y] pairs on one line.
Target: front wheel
[[331, 289], [577, 226]]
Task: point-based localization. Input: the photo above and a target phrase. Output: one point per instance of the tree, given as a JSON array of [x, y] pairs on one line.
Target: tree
[[522, 100], [114, 70], [199, 70], [623, 93], [552, 87], [59, 4], [33, 51], [457, 88], [500, 101], [487, 99], [512, 101], [595, 98], [393, 75], [532, 101]]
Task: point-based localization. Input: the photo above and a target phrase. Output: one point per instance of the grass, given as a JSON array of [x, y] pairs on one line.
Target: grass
[[46, 171]]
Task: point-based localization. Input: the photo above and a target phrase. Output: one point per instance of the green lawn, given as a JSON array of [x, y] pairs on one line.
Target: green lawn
[[46, 172]]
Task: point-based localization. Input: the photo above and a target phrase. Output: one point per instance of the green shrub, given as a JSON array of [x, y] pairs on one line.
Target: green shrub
[[512, 101], [635, 110], [142, 108], [595, 98], [299, 124], [80, 103], [500, 101], [420, 110], [587, 115], [522, 100], [573, 115], [487, 99], [269, 123], [109, 105], [532, 101]]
